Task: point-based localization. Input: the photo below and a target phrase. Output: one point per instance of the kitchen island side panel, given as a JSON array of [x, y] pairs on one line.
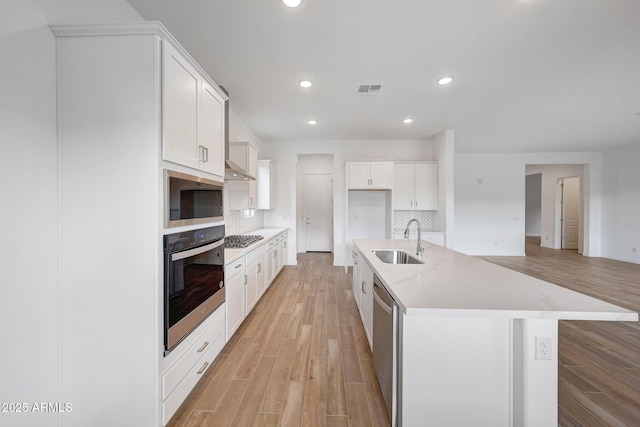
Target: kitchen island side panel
[[455, 371]]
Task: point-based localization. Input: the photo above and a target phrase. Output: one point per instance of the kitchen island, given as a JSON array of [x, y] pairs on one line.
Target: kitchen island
[[477, 344]]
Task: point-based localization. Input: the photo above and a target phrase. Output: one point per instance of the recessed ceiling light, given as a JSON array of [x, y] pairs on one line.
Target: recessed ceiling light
[[312, 122], [407, 121], [292, 3], [445, 80], [305, 83]]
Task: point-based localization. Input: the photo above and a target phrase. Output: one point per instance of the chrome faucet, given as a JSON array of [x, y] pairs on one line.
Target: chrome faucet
[[419, 248]]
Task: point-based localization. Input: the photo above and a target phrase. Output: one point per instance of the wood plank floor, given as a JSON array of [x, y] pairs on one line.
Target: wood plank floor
[[301, 358], [599, 362]]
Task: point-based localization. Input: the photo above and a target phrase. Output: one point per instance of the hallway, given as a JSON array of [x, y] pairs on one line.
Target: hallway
[[301, 358]]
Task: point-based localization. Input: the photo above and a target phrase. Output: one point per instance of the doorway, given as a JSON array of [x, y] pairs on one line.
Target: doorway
[[318, 212], [569, 210], [314, 200], [558, 219]]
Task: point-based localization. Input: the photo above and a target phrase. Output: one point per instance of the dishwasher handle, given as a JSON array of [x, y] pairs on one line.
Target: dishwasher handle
[[379, 301]]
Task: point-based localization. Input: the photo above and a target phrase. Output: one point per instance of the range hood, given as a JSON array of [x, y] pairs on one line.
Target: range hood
[[232, 170]]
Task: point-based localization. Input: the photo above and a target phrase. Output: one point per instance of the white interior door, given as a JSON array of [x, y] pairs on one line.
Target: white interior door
[[318, 213], [570, 213]]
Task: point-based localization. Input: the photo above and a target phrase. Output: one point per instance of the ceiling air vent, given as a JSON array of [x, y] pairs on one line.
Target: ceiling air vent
[[369, 89]]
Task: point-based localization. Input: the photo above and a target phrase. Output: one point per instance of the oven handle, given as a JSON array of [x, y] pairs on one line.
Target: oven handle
[[196, 251]]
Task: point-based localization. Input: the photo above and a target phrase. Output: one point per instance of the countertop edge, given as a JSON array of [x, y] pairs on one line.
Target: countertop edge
[[620, 314]]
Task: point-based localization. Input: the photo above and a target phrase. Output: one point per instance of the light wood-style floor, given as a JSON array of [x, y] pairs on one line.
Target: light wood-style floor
[[300, 359], [599, 362]]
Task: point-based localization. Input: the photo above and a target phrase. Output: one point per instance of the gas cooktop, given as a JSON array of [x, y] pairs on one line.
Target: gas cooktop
[[240, 241]]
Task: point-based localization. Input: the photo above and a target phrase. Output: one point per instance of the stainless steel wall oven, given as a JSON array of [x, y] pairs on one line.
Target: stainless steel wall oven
[[193, 282]]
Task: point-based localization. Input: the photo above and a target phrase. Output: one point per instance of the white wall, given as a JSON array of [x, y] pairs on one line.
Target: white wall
[[30, 359], [29, 226], [489, 215], [285, 154], [621, 204]]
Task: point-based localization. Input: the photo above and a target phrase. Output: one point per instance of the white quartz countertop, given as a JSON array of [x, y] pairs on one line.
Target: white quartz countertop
[[450, 284], [231, 254]]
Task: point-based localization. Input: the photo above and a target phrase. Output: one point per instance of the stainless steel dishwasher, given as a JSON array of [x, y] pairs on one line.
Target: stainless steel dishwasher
[[385, 348]]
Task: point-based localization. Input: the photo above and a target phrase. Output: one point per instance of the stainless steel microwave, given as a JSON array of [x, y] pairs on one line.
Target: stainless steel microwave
[[191, 199]]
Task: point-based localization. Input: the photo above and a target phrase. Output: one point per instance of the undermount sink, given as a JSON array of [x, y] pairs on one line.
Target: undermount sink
[[391, 256]]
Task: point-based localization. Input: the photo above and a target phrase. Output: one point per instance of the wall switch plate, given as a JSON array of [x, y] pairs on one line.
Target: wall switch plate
[[543, 348]]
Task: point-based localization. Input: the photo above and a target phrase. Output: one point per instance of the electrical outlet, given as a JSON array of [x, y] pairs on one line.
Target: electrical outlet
[[634, 250], [543, 348]]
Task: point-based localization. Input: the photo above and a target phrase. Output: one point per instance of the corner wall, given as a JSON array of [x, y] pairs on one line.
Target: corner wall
[[490, 200], [31, 357], [621, 204]]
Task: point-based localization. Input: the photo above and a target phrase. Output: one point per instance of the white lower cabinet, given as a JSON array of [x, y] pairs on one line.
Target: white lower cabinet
[[180, 378], [363, 293], [235, 280], [356, 277], [365, 297], [248, 277], [274, 258], [282, 254], [256, 277]]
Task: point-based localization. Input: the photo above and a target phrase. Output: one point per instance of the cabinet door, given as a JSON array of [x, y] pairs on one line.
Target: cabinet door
[[211, 137], [282, 254], [403, 187], [366, 302], [271, 264], [381, 175], [356, 278], [365, 290], [251, 288], [179, 109], [261, 275], [234, 298], [252, 161], [358, 175], [252, 194], [426, 184]]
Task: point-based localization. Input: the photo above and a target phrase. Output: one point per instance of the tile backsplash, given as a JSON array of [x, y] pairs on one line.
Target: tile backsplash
[[235, 222], [401, 218]]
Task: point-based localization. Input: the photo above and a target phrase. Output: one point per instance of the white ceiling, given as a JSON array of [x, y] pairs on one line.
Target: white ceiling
[[530, 75]]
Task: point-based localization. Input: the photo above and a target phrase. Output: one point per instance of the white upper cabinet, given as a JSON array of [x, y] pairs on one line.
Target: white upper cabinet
[[369, 175], [211, 131], [415, 186], [192, 116], [244, 193], [266, 184]]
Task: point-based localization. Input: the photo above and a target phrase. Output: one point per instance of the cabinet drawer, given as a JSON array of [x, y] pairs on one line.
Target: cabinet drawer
[[234, 268], [211, 338], [175, 399], [255, 254], [367, 273]]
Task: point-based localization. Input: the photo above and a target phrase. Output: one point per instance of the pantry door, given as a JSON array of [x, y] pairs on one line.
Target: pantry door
[[318, 212]]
